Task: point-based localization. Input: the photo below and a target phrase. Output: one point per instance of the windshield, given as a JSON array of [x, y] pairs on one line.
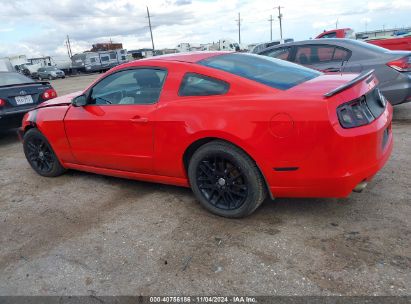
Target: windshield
[[51, 69], [13, 78], [278, 74]]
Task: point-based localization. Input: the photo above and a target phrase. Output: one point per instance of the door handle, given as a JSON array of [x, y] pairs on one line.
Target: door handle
[[139, 119]]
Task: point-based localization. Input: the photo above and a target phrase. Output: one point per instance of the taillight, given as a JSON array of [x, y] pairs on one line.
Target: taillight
[[363, 110], [401, 65], [354, 114], [49, 94], [2, 102]]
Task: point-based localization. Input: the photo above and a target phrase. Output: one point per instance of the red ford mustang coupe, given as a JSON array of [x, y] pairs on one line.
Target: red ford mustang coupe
[[234, 127]]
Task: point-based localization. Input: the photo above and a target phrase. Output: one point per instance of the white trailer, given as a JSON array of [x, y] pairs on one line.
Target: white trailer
[[5, 65]]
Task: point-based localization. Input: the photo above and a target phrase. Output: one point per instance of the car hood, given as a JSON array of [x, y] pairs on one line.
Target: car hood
[[60, 101]]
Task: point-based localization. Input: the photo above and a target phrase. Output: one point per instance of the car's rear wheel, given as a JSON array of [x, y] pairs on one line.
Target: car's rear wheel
[[40, 155], [226, 180]]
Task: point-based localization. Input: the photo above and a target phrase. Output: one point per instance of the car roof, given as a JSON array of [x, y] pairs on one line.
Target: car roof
[[348, 43], [191, 57]]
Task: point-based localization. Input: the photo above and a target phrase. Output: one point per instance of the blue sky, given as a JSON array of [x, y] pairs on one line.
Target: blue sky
[[37, 28]]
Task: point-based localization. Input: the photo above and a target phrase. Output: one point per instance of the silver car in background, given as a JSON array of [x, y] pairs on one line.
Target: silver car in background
[[50, 73], [393, 68]]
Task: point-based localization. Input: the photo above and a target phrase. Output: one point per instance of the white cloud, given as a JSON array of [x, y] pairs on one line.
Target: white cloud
[[175, 21]]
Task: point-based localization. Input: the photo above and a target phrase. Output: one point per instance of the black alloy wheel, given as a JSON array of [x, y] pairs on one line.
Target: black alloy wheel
[[221, 182], [226, 180], [40, 155]]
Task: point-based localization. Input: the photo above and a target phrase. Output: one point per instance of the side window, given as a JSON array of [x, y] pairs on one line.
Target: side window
[[281, 53], [113, 56], [92, 60], [312, 54], [105, 58], [329, 35], [341, 54], [136, 86], [303, 55], [324, 53], [200, 85]]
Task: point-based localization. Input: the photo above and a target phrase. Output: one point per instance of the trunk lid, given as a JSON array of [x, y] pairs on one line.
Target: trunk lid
[[23, 95], [317, 87]]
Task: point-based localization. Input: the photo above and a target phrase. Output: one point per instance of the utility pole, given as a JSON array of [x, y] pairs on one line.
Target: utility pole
[[149, 25], [280, 16], [69, 47], [271, 27], [336, 24], [68, 51], [239, 28]]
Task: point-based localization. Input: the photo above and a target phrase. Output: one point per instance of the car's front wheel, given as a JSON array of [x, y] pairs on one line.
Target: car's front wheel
[[40, 155], [226, 180]]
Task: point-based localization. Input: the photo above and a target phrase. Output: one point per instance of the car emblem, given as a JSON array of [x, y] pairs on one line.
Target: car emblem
[[23, 93]]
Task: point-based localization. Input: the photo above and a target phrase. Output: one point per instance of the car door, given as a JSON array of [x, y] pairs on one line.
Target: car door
[[40, 72], [326, 58], [115, 129]]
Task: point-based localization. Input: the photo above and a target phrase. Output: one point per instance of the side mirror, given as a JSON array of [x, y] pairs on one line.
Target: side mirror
[[79, 101]]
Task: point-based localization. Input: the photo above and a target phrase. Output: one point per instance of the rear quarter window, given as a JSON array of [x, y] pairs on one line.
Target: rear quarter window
[[278, 74], [200, 85]]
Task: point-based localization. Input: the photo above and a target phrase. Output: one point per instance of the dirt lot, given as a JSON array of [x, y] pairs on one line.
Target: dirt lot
[[83, 234]]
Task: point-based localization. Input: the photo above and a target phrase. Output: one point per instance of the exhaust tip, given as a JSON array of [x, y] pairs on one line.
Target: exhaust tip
[[360, 187]]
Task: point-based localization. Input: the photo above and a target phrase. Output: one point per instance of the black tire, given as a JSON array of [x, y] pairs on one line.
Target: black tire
[[225, 180], [40, 155]]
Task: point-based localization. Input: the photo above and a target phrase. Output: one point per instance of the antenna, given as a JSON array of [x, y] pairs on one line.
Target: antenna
[[342, 65]]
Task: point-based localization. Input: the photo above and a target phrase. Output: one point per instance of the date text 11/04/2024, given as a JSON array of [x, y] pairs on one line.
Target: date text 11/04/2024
[[203, 299]]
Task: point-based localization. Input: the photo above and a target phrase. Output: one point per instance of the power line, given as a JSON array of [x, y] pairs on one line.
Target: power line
[[271, 27], [151, 31], [239, 28], [280, 16]]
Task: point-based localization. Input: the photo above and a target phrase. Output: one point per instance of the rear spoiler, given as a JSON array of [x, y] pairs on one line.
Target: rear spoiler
[[349, 84], [23, 84]]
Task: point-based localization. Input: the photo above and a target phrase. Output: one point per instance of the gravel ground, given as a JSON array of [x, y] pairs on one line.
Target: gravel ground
[[85, 234]]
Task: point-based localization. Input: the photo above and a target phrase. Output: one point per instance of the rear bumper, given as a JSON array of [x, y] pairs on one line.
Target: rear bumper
[[398, 91], [12, 118], [334, 169]]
